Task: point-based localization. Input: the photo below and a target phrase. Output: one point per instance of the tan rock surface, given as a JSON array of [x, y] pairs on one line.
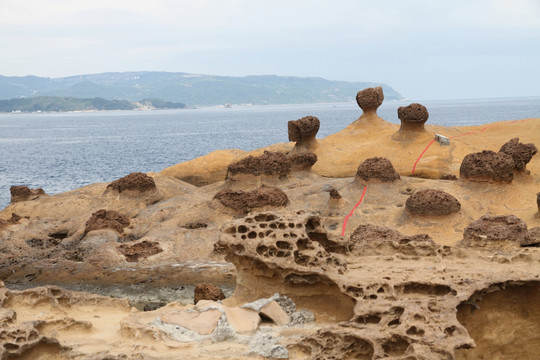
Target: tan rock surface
[[274, 312]]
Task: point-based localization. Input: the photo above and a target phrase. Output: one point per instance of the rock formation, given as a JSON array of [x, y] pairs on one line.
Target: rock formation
[[139, 250], [207, 292], [432, 202], [520, 153], [24, 193], [137, 182], [106, 219], [377, 168], [303, 131], [370, 99], [246, 200], [13, 220], [487, 166], [302, 161], [270, 164], [412, 119]]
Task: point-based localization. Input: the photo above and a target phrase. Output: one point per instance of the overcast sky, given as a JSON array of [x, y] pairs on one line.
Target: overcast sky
[[423, 49]]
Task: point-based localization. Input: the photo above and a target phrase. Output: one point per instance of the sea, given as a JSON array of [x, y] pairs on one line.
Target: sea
[[64, 151]]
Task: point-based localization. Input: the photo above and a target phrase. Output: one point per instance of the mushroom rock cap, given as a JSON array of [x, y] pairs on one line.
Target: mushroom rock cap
[[432, 202], [495, 231], [303, 160], [304, 130], [521, 153], [487, 166], [370, 99], [269, 164], [413, 116], [377, 168], [137, 181]]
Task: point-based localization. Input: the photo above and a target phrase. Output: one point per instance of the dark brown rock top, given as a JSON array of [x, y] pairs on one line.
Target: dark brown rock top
[[304, 128], [432, 202], [377, 168], [334, 194], [24, 193], [415, 112], [247, 200], [449, 177], [269, 163], [521, 153], [491, 231], [303, 160], [370, 99], [106, 219], [13, 220], [207, 292], [487, 166], [136, 181], [140, 250]]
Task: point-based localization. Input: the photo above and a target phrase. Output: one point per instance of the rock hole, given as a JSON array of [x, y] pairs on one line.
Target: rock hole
[[252, 235], [414, 331], [284, 245], [395, 346], [262, 249], [424, 289], [282, 226], [242, 229], [60, 235], [368, 319]]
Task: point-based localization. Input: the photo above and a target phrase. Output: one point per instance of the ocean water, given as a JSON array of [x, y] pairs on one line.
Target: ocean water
[[63, 151]]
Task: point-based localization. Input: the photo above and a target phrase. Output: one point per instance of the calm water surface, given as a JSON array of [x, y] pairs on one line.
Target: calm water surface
[[64, 151]]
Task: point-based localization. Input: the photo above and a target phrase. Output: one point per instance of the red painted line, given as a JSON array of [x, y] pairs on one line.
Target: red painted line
[[352, 211], [423, 152]]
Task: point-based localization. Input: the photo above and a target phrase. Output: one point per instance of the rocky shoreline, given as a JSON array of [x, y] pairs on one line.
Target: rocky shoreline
[[386, 241]]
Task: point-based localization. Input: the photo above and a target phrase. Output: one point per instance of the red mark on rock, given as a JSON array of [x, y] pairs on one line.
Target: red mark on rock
[[352, 211]]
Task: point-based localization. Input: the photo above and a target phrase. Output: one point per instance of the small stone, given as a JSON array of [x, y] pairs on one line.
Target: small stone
[[207, 292], [243, 321], [275, 313]]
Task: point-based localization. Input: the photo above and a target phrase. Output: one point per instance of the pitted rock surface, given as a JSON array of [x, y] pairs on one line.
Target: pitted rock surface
[[13, 220], [377, 168], [304, 128], [487, 166], [533, 237], [139, 250], [106, 219], [372, 239], [303, 160], [24, 193], [269, 163], [521, 153], [207, 292], [136, 181], [334, 194], [414, 113], [496, 231], [432, 202], [247, 200], [370, 99]]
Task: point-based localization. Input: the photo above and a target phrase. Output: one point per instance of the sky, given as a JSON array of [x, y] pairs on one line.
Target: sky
[[424, 49]]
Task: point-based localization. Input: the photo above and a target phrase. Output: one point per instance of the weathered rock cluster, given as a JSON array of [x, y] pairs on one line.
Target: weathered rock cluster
[[24, 193], [247, 200], [432, 202], [378, 169], [370, 99], [137, 181]]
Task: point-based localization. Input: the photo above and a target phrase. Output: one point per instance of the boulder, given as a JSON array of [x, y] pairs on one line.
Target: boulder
[[24, 193], [247, 200], [520, 153], [106, 219], [269, 163], [487, 166], [377, 168], [274, 312], [432, 202], [495, 232], [136, 181]]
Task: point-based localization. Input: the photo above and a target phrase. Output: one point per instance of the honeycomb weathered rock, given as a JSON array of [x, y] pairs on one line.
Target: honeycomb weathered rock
[[521, 153], [269, 163], [106, 219], [247, 200], [370, 99], [432, 202], [24, 193], [495, 232], [487, 166], [377, 168]]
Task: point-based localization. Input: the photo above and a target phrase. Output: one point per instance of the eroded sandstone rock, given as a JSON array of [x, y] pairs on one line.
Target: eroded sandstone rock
[[207, 292], [140, 250], [136, 181], [413, 117], [13, 220], [370, 99], [304, 130], [269, 163], [302, 161], [247, 200], [377, 168], [432, 202], [24, 193], [495, 232], [533, 237], [487, 166], [521, 153], [106, 219]]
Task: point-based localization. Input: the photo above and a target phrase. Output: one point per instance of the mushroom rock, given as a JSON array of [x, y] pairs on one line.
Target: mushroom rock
[[412, 119], [207, 292], [274, 164], [247, 200], [377, 168], [303, 131], [521, 153], [499, 231], [487, 166], [136, 182], [370, 99], [24, 193], [302, 161], [106, 219], [432, 202]]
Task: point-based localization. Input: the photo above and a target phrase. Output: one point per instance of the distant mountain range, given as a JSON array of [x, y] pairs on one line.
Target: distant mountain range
[[189, 89]]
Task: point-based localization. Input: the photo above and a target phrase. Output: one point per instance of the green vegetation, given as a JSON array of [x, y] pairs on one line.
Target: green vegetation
[[194, 90], [55, 103]]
